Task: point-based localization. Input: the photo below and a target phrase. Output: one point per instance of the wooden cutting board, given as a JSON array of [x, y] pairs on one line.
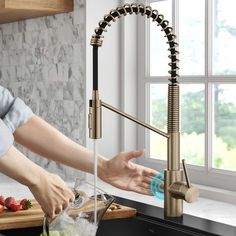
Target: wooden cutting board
[[34, 216]]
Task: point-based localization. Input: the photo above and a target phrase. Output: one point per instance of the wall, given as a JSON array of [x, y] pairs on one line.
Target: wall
[[109, 73], [117, 75], [42, 62]]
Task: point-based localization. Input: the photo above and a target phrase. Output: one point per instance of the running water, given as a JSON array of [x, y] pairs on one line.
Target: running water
[[95, 153], [84, 224]]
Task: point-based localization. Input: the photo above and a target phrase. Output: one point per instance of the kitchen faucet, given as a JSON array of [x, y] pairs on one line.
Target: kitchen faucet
[[175, 190]]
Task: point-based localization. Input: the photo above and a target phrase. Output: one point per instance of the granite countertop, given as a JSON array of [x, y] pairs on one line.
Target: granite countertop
[[203, 208]]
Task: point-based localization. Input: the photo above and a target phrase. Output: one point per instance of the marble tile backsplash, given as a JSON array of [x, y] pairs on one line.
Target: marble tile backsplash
[[42, 62]]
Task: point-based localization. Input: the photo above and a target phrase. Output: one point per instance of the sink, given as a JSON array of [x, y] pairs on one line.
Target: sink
[[139, 227]]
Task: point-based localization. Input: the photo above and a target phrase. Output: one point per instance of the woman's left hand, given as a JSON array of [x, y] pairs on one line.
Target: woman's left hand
[[124, 174]]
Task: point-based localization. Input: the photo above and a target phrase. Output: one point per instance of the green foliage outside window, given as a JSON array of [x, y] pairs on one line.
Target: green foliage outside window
[[193, 128]]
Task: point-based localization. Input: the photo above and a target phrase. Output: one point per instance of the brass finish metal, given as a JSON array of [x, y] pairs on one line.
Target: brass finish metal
[[95, 117], [134, 119], [186, 173], [96, 40], [175, 189], [173, 108], [173, 159], [173, 128], [173, 207], [180, 190]]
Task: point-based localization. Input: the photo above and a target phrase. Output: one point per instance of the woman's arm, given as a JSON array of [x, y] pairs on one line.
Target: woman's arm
[[48, 189], [42, 138], [6, 139], [15, 165]]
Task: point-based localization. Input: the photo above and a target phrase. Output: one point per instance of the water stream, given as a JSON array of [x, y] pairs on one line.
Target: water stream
[[95, 153]]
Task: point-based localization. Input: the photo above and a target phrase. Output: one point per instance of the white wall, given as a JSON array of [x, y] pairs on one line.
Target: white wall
[[109, 73], [128, 62]]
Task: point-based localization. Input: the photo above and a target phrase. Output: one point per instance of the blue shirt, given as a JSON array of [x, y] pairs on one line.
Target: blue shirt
[[13, 114]]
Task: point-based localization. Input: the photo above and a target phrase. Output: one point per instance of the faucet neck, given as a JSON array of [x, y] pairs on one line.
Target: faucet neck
[[95, 68], [96, 40], [173, 108]]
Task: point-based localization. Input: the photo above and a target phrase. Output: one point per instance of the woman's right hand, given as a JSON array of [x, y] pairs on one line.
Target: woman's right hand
[[48, 189], [52, 194]]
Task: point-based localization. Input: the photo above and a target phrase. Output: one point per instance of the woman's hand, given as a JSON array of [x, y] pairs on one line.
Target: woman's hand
[[48, 189], [52, 194], [122, 173]]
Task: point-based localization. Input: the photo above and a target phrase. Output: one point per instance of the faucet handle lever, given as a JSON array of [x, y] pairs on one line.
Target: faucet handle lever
[[186, 173], [181, 190]]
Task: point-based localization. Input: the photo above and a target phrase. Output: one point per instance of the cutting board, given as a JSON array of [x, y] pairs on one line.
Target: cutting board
[[34, 216]]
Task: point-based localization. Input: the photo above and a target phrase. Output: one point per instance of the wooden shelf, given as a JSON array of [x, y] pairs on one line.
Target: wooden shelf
[[15, 10]]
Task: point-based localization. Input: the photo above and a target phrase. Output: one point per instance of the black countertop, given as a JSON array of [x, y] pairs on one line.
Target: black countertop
[[148, 216], [203, 226]]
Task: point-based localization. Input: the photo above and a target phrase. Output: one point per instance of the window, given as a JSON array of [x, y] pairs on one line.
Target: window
[[206, 33]]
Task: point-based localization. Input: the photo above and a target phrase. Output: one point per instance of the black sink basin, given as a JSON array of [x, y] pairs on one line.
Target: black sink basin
[[139, 227], [149, 221]]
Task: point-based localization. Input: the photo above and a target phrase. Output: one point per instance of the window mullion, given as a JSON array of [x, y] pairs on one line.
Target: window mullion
[[146, 46], [209, 125], [209, 89], [175, 18], [208, 38]]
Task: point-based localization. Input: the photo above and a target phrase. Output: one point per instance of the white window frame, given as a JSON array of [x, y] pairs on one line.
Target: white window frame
[[207, 175]]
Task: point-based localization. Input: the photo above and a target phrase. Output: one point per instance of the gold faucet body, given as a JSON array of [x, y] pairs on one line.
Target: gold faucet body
[[175, 189], [173, 206]]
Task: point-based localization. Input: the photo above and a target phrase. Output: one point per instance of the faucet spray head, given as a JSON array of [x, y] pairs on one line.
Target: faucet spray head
[[95, 116]]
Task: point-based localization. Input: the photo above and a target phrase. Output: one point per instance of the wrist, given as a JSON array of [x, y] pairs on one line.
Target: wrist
[[25, 171], [102, 167], [39, 177]]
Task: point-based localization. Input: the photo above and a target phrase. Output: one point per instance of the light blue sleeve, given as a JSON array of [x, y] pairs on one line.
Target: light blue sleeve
[[6, 138], [13, 111]]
